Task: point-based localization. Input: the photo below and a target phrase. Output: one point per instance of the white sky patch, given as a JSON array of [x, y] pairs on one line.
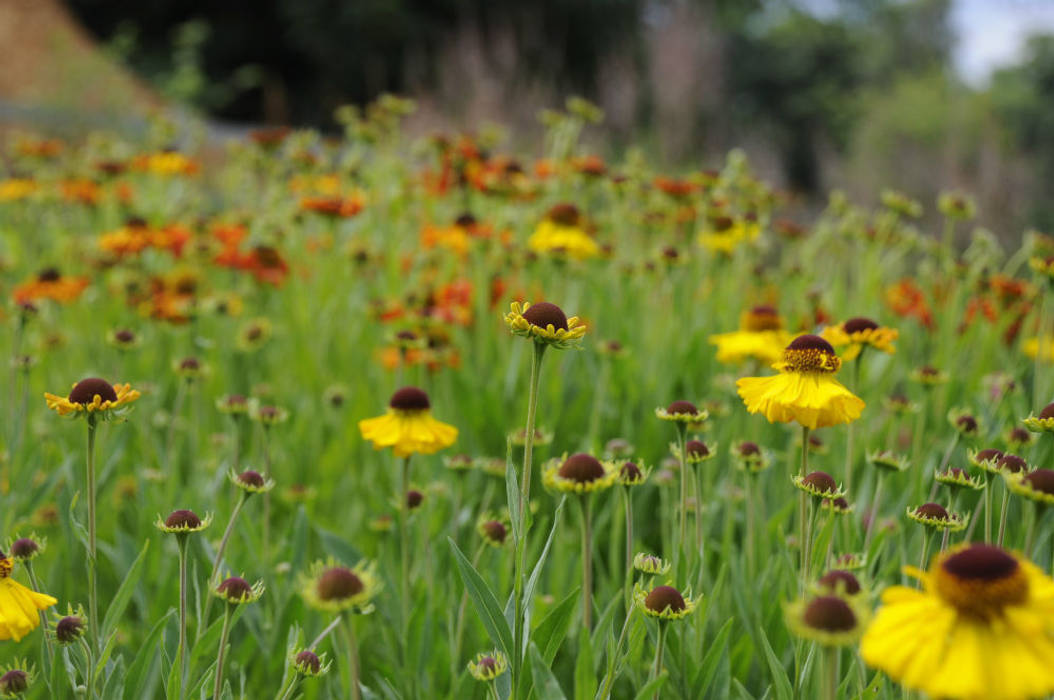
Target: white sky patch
[[993, 33]]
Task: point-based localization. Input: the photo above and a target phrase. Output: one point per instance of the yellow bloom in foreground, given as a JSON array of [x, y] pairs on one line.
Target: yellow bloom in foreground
[[760, 336], [92, 395], [563, 232], [408, 427], [805, 389], [18, 605], [981, 627], [859, 333]]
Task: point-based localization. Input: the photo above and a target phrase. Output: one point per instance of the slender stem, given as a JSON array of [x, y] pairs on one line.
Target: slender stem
[[830, 673], [324, 633], [1030, 530], [525, 496], [850, 429], [90, 680], [658, 655], [1002, 514], [876, 503], [93, 602], [628, 497], [267, 495], [181, 539], [924, 560], [236, 459], [587, 563], [749, 504], [988, 511], [222, 651], [170, 434], [682, 454], [43, 618], [802, 507], [214, 577], [609, 677], [353, 656], [404, 547]]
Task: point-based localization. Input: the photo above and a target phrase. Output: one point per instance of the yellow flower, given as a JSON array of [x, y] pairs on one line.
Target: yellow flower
[[17, 188], [760, 336], [663, 602], [333, 588], [408, 426], [1044, 422], [805, 389], [859, 333], [724, 234], [544, 323], [18, 605], [579, 473], [982, 627], [563, 231], [1031, 348], [91, 396], [1036, 485]]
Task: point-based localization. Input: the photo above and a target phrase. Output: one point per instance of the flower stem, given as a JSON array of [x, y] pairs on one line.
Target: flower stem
[[1002, 514], [404, 552], [353, 656], [802, 506], [830, 673], [658, 655], [988, 511], [324, 633], [43, 619], [525, 496], [609, 677], [587, 563], [749, 501], [89, 682], [215, 576], [925, 550], [93, 601], [682, 450], [876, 504], [628, 496], [222, 652], [181, 540], [1030, 529]]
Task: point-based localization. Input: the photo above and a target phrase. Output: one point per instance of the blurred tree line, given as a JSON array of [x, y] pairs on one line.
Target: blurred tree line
[[862, 92]]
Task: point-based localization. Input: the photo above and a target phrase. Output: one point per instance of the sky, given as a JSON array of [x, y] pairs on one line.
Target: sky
[[992, 33]]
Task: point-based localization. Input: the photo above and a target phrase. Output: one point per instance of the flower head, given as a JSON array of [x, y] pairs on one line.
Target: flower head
[[986, 459], [26, 548], [235, 590], [408, 427], [697, 451], [663, 602], [684, 413], [632, 474], [70, 627], [544, 323], [750, 457], [580, 473], [94, 397], [183, 522], [889, 461], [830, 620], [859, 333], [1044, 422], [760, 336], [16, 681], [650, 564], [493, 531], [334, 588], [1037, 485], [958, 479], [486, 667], [307, 663], [993, 612], [839, 582], [250, 481], [965, 423], [937, 517], [18, 604], [819, 484], [805, 389]]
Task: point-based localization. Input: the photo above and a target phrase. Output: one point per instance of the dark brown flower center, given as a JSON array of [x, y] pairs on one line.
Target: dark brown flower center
[[664, 597], [1041, 480], [1048, 411], [1020, 435], [822, 482], [839, 577], [934, 511], [582, 468], [697, 449], [810, 353], [1012, 464], [830, 614], [234, 588], [466, 220], [69, 629], [190, 364], [749, 449], [989, 454], [251, 478], [49, 274], [24, 548], [414, 499], [543, 314], [682, 407], [564, 214], [966, 424], [495, 531], [183, 518], [630, 472], [981, 580], [309, 660], [487, 664], [409, 398], [858, 325], [762, 318], [86, 390], [124, 336], [14, 682], [338, 583]]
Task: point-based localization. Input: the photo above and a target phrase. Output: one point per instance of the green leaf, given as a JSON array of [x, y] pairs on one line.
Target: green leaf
[[135, 686], [546, 686], [512, 492], [124, 594], [784, 689], [485, 602], [551, 631], [717, 651], [585, 678], [652, 687], [536, 573]]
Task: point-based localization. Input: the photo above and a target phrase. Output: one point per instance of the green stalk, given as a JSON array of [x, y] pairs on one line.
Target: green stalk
[[353, 656], [875, 504], [89, 682], [609, 677], [214, 577], [404, 552], [181, 540], [830, 673], [222, 652], [525, 496], [43, 618], [749, 501], [93, 601], [627, 494], [1002, 514], [682, 450], [587, 562], [658, 655], [988, 511], [924, 560], [802, 506], [1030, 531]]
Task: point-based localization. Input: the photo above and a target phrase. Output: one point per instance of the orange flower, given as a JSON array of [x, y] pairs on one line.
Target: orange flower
[[673, 187], [50, 284], [81, 192], [907, 299], [336, 206]]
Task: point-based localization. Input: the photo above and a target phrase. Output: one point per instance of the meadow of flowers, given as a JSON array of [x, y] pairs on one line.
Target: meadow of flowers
[[378, 417]]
